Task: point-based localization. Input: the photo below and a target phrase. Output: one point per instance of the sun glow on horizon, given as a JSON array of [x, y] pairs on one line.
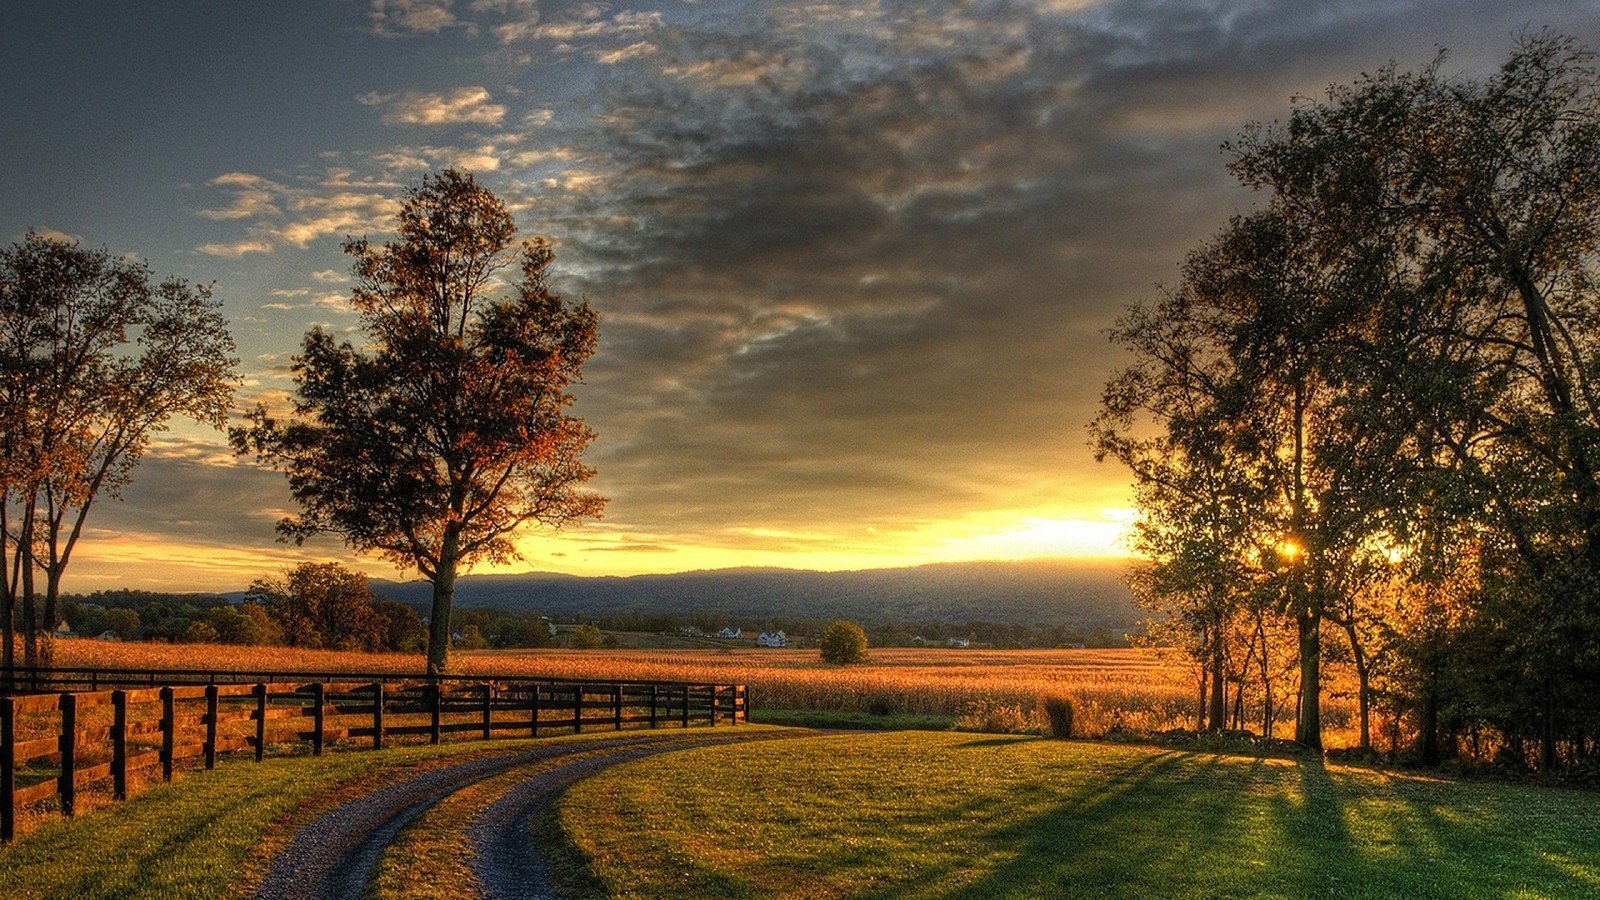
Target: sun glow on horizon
[[157, 562]]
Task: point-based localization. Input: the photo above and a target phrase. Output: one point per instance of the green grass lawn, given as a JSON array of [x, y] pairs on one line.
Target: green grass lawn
[[912, 814], [212, 834]]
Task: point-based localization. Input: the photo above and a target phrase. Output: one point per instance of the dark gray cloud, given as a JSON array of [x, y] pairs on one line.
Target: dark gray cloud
[[854, 260], [859, 271]]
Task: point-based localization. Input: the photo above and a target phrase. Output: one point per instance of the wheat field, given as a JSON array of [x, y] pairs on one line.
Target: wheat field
[[1128, 690]]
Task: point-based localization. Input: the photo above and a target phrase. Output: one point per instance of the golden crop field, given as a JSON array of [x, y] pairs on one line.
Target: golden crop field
[[1131, 689]]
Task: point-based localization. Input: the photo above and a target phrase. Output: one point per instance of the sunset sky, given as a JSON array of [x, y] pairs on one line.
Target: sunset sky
[[854, 261]]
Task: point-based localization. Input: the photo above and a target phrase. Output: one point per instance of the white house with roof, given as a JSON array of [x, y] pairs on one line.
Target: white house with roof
[[773, 639], [731, 632]]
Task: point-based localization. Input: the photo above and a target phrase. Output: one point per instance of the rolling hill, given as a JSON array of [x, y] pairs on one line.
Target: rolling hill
[[1072, 593]]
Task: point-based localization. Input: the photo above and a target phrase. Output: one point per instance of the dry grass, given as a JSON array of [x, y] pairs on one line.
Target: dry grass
[[1123, 689]]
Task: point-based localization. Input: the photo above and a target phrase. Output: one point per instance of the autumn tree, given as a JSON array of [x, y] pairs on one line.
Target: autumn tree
[[448, 432], [327, 606], [1167, 417], [95, 359]]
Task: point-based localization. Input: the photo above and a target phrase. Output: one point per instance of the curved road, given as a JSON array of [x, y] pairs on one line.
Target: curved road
[[336, 856]]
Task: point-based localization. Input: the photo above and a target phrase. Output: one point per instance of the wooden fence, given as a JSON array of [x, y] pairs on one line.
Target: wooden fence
[[56, 741]]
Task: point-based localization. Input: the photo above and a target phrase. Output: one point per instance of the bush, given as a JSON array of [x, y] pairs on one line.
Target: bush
[[1058, 710], [844, 643], [998, 717], [584, 637]]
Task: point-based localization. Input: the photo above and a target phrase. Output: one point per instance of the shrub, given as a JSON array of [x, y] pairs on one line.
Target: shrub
[[998, 717], [1058, 710], [843, 643]]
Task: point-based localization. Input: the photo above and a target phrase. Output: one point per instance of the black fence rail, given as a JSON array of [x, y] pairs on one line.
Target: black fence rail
[[56, 742], [38, 679]]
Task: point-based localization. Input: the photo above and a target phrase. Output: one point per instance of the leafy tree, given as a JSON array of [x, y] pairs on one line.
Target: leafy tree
[[449, 432], [399, 625], [1486, 196], [94, 360], [843, 643], [322, 605], [584, 637], [125, 622], [1392, 361], [264, 629], [471, 639], [1198, 519]]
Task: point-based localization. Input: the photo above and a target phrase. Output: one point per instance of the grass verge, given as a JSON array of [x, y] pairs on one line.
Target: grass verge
[[916, 814]]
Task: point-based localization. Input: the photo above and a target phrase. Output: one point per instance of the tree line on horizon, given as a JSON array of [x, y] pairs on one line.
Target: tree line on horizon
[[324, 606], [1366, 419], [317, 606]]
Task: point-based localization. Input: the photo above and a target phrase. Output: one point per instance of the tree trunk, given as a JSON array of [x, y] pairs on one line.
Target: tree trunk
[[1363, 699], [30, 605], [52, 615], [1218, 713], [8, 654], [1308, 723], [1428, 720], [1547, 735], [444, 595]]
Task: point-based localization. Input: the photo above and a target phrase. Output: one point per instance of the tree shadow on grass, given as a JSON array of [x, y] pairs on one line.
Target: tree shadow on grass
[[1502, 840], [1175, 824], [1198, 825], [132, 857]]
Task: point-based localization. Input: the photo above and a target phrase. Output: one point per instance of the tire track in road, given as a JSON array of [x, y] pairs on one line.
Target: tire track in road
[[336, 855]]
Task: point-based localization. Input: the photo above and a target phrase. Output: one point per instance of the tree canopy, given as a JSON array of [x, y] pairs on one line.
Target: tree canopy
[[448, 432], [1369, 406], [95, 359]]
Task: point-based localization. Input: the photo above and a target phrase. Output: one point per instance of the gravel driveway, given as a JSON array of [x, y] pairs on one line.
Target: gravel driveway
[[336, 856]]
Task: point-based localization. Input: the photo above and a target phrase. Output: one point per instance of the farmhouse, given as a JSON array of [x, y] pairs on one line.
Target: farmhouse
[[731, 632], [773, 639]]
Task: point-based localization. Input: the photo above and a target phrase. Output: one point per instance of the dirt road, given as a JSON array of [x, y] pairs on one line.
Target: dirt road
[[337, 855]]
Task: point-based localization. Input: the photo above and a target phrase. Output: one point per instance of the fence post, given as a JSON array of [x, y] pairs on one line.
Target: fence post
[[8, 768], [533, 689], [685, 690], [437, 691], [119, 745], [169, 725], [261, 720], [377, 715], [577, 709], [654, 692], [211, 726], [488, 709], [316, 718], [67, 784], [616, 705]]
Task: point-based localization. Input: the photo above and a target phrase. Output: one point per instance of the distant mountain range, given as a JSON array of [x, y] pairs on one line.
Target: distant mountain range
[[1071, 593]]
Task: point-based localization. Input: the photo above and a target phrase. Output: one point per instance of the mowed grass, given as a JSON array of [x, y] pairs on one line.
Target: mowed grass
[[911, 814], [213, 834]]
